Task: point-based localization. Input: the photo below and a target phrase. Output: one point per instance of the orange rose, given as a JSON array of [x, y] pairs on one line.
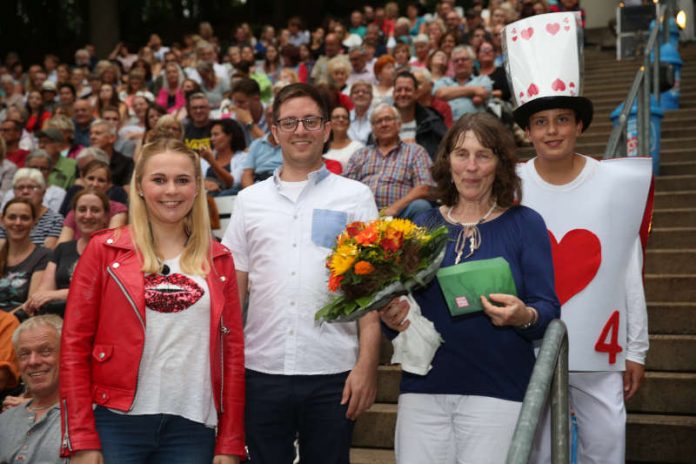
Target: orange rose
[[367, 236], [363, 268]]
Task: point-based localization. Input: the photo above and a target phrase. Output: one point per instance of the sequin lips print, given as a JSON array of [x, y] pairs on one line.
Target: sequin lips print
[[172, 293]]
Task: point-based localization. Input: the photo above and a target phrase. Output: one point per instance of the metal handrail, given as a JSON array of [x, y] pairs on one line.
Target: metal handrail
[[616, 147], [550, 374]]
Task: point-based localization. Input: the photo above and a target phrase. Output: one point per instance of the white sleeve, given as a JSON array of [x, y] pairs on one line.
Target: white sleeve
[[368, 208], [235, 236], [636, 308]]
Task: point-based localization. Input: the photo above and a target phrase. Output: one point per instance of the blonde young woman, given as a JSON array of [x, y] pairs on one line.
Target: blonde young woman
[[153, 332]]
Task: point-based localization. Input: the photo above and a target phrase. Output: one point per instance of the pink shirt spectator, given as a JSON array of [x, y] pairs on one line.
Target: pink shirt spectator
[[114, 208]]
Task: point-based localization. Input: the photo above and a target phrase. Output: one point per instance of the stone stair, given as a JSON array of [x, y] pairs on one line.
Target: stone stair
[[662, 416]]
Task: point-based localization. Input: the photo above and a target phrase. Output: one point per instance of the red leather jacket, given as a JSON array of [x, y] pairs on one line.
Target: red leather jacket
[[104, 335]]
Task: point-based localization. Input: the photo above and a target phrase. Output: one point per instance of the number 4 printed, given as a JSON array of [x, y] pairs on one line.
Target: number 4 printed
[[608, 341]]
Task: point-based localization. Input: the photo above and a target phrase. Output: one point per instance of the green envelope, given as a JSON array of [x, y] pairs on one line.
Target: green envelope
[[463, 284]]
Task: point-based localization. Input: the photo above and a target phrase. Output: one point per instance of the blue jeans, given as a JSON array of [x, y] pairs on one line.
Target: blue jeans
[[414, 208], [280, 408], [153, 439]]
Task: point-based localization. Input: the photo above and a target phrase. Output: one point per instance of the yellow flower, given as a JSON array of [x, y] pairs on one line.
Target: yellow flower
[[343, 259], [404, 226]]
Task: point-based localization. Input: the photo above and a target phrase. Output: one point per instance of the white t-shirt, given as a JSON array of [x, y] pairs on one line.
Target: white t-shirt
[[174, 376], [342, 155]]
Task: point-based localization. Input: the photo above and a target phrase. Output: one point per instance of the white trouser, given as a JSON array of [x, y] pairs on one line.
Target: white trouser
[[597, 400], [449, 429]]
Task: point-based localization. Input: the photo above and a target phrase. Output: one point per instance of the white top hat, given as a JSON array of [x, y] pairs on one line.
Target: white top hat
[[543, 61]]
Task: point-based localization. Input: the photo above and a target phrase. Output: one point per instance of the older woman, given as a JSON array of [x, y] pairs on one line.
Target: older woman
[[91, 210], [385, 70], [30, 184], [472, 396], [339, 70]]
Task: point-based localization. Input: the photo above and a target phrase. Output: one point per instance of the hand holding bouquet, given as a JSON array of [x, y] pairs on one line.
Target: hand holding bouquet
[[374, 262]]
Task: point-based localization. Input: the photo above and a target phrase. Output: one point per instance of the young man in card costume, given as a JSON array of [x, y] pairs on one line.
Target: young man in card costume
[[598, 215]]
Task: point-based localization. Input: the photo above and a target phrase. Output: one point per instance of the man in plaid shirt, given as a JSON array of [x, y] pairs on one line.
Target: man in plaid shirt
[[398, 173]]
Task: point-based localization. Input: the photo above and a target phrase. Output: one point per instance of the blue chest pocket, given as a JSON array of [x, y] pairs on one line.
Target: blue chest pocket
[[326, 225]]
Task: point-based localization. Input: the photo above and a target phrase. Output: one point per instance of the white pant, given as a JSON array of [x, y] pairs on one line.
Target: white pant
[[597, 400], [449, 429]]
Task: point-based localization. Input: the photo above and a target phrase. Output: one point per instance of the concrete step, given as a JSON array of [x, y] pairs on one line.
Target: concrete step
[[670, 287], [660, 438], [672, 318], [676, 199], [654, 438], [372, 456], [665, 393], [677, 182], [375, 428], [388, 379], [674, 353], [674, 217], [677, 167], [679, 261], [687, 144], [670, 238]]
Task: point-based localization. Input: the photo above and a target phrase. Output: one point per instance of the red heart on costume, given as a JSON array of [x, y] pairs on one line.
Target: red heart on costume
[[514, 38], [527, 33], [576, 260], [565, 20], [553, 28], [521, 94], [571, 85], [533, 90], [567, 28], [558, 85]]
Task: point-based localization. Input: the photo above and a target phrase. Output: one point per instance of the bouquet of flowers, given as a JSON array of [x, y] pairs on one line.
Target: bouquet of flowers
[[374, 262]]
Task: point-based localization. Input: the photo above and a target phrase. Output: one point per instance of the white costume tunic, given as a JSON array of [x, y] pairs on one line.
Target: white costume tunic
[[594, 224]]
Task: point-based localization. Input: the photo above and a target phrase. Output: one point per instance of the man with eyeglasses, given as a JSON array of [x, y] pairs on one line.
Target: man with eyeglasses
[[197, 130], [30, 432], [398, 173], [465, 92], [360, 71], [103, 136], [303, 379]]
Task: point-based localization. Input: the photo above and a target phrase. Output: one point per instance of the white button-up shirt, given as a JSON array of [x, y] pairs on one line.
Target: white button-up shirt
[[283, 245]]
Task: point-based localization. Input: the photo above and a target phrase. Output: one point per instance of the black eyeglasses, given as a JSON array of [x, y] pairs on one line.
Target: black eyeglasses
[[311, 123]]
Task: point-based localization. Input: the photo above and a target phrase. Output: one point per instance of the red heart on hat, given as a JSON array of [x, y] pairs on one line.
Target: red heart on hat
[[558, 85], [571, 85], [514, 38], [527, 33], [567, 28], [553, 28], [533, 90], [565, 20]]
